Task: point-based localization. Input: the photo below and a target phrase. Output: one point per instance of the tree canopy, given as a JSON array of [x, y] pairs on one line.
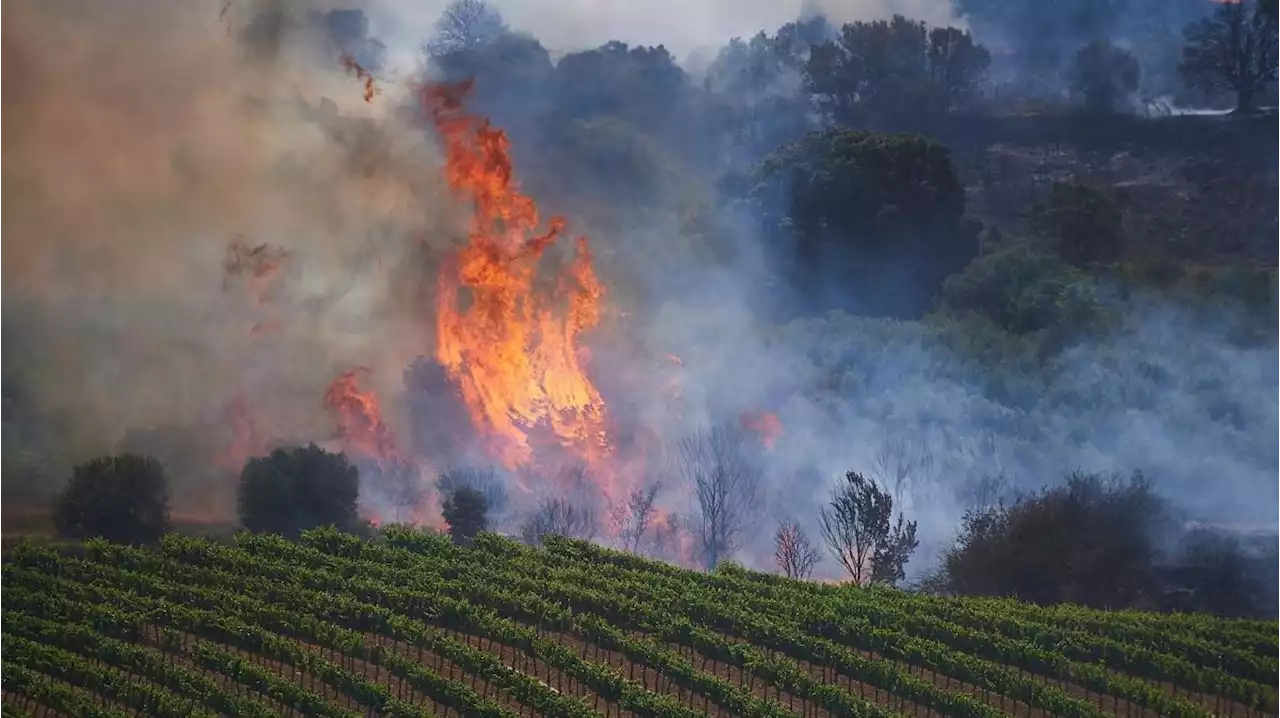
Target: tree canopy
[[122, 498], [1234, 49], [886, 72], [296, 489], [874, 218]]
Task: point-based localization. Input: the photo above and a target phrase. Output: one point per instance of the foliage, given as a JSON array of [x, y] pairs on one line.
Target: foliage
[[875, 219], [1022, 290], [243, 612], [1089, 541], [887, 71], [123, 498], [640, 85], [758, 84], [1084, 223], [466, 511], [295, 489], [1235, 49], [1104, 76], [1214, 573], [858, 531]]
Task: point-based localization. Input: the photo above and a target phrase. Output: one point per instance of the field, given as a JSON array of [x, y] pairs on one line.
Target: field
[[411, 625]]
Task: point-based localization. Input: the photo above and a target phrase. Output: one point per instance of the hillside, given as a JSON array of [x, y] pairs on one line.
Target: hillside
[[411, 625], [1196, 189]]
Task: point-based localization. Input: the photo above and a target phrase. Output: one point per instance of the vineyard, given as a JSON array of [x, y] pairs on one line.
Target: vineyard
[[411, 625]]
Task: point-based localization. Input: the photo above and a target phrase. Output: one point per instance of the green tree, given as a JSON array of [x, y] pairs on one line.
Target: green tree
[[1022, 290], [1091, 540], [466, 511], [1084, 223], [859, 531], [875, 220], [759, 83], [296, 489], [887, 71], [1235, 49], [642, 85], [1104, 76], [122, 498]]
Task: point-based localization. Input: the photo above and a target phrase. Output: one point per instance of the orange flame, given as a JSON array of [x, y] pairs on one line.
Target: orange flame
[[246, 442], [360, 425], [364, 76], [513, 351], [765, 424]]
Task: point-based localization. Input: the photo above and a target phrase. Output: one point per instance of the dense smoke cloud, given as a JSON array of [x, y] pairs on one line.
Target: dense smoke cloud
[[143, 139], [131, 173]]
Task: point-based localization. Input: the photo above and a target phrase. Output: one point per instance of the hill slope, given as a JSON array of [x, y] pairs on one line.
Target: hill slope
[[411, 625]]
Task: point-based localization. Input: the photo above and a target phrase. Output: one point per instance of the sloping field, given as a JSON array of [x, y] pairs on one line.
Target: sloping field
[[412, 626]]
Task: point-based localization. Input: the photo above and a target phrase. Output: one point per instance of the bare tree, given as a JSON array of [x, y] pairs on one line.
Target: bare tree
[[633, 516], [982, 492], [559, 517], [793, 552], [716, 462], [463, 25], [902, 461], [670, 537], [857, 530], [400, 483], [1235, 49]]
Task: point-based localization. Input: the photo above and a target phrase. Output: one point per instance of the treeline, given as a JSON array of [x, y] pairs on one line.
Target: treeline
[[1098, 541]]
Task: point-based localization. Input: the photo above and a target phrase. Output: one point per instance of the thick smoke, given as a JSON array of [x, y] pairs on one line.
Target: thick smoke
[[1034, 42], [129, 175]]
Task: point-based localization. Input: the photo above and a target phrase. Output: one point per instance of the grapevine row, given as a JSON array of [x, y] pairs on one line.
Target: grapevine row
[[51, 693], [135, 659]]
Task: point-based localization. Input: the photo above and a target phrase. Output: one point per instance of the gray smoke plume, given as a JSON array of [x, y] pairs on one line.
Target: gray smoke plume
[[131, 174]]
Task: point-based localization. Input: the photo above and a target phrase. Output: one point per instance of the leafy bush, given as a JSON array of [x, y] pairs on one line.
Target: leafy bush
[[297, 489], [1022, 290], [466, 510], [122, 498], [1089, 541]]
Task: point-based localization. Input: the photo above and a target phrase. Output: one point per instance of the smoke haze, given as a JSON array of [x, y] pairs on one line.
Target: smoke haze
[[130, 174], [682, 27]]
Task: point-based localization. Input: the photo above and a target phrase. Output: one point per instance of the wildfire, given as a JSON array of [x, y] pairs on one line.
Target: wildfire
[[360, 426], [258, 265], [513, 348], [364, 76], [246, 442], [764, 424]]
